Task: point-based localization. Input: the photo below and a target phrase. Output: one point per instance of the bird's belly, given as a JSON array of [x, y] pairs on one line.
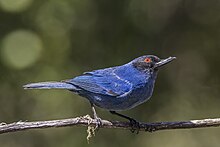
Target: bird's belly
[[121, 103]]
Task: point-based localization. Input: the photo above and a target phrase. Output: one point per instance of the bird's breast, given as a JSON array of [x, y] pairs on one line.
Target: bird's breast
[[142, 89]]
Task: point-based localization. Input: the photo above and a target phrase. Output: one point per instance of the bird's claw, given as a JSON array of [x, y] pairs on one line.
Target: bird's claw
[[150, 128], [98, 122], [135, 126]]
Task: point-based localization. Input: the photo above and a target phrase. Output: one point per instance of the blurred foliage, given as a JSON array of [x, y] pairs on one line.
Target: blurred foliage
[[54, 40]]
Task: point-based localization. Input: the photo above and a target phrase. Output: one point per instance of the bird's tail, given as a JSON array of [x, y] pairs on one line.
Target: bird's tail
[[50, 85]]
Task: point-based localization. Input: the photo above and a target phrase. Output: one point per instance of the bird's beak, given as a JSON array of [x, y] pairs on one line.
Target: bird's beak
[[164, 61]]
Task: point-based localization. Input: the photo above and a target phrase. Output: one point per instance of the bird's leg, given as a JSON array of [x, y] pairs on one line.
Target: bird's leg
[[135, 126], [95, 116]]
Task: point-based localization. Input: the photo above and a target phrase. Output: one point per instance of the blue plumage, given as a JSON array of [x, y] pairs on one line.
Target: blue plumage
[[50, 85], [116, 88]]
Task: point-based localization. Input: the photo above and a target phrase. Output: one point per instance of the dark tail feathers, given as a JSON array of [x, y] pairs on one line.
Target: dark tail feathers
[[50, 85]]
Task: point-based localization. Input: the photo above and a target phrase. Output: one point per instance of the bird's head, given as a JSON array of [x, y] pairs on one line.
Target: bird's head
[[150, 63]]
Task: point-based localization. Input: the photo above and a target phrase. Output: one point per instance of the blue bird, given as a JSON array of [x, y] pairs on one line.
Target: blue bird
[[115, 88]]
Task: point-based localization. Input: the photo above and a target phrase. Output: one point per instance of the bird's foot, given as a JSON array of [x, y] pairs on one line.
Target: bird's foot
[[150, 128], [95, 116], [98, 122], [135, 126]]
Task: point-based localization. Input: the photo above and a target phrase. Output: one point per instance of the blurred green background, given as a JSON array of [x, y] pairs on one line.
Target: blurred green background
[[53, 40]]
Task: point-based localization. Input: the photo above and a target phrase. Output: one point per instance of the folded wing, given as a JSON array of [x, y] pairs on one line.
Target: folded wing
[[106, 84]]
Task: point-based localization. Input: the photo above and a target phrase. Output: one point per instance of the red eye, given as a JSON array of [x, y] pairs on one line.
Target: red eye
[[147, 60]]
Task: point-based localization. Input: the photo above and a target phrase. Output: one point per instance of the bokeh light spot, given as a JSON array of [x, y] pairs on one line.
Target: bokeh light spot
[[21, 49], [15, 5]]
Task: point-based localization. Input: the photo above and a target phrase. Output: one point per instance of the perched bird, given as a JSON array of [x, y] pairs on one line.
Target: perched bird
[[115, 88]]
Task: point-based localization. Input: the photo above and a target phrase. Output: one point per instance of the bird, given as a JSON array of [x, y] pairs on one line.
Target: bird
[[114, 89]]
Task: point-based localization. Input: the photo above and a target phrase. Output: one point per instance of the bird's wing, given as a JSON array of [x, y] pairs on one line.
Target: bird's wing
[[106, 83]]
